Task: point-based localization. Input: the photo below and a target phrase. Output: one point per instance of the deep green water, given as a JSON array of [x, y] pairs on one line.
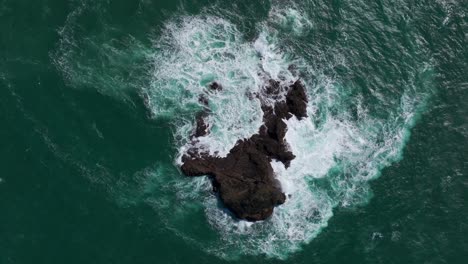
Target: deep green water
[[97, 99]]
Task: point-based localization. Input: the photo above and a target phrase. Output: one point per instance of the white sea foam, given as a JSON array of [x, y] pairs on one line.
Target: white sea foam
[[290, 19], [336, 153], [193, 53], [337, 150], [196, 51]]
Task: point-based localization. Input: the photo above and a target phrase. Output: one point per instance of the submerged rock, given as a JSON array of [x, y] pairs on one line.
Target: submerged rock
[[244, 179], [202, 127], [216, 86]]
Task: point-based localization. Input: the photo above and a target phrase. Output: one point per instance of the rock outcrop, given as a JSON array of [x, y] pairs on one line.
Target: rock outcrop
[[244, 179]]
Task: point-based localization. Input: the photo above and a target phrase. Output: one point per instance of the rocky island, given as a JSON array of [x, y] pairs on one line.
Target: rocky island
[[244, 179]]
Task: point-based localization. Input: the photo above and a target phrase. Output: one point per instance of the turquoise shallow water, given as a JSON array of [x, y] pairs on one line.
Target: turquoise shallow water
[[97, 99]]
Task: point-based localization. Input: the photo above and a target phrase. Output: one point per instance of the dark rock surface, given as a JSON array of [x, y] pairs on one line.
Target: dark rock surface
[[202, 127], [244, 179], [216, 86]]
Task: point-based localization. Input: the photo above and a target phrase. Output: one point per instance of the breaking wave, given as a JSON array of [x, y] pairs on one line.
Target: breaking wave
[[339, 149], [352, 132]]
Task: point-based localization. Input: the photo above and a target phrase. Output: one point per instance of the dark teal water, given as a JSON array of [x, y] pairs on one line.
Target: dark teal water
[[97, 98]]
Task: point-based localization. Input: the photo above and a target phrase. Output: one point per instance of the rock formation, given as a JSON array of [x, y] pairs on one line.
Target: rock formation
[[244, 179]]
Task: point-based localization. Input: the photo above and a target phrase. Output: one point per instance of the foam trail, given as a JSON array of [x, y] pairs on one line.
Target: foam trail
[[207, 49], [341, 146], [338, 151]]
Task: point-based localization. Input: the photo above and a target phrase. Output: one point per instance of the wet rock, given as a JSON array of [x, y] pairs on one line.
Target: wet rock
[[201, 128], [216, 86], [297, 100], [203, 100], [244, 179]]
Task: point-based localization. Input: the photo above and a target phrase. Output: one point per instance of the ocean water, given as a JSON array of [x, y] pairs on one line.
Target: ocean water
[[98, 100]]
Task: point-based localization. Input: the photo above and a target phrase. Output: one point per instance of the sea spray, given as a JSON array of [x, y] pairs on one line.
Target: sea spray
[[350, 136], [338, 149]]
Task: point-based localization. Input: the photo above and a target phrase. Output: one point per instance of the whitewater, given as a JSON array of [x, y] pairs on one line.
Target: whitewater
[[351, 134]]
